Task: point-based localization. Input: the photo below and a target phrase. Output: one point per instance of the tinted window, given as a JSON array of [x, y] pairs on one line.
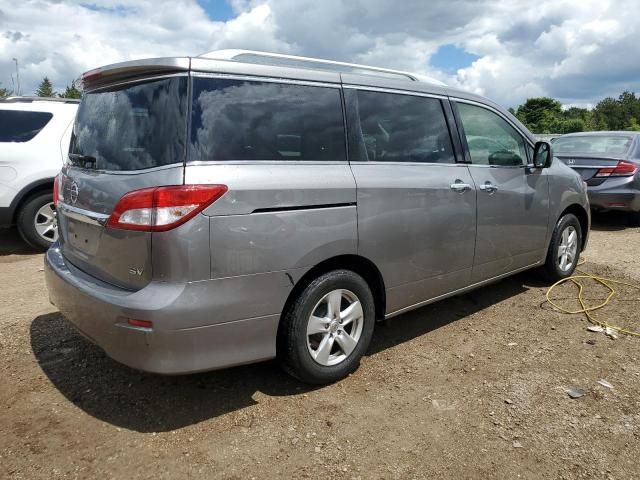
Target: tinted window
[[612, 144], [243, 120], [131, 127], [21, 126], [491, 140], [389, 127]]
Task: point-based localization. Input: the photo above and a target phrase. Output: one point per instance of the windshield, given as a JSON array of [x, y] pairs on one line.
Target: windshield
[[611, 144], [132, 126]]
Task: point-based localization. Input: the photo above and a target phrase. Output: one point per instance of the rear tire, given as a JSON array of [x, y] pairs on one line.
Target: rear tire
[[327, 329], [564, 250], [36, 221]]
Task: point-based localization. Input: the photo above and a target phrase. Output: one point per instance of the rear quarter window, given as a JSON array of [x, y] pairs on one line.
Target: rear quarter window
[[265, 121], [21, 126]]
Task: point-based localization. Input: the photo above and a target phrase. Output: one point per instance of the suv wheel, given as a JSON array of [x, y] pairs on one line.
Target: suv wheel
[[37, 221], [564, 250], [327, 329]]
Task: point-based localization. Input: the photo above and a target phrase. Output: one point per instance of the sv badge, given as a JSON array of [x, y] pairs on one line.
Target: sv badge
[[135, 271]]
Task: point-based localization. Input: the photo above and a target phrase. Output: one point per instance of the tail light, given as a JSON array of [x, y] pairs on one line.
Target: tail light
[[162, 208], [623, 169], [56, 189]]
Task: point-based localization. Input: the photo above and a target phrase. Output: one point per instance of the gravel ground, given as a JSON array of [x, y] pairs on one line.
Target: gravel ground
[[471, 387]]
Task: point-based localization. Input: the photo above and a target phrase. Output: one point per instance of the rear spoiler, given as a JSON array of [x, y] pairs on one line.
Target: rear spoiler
[[123, 71]]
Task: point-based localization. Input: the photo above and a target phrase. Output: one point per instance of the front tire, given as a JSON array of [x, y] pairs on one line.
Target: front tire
[[37, 223], [564, 250], [328, 328]]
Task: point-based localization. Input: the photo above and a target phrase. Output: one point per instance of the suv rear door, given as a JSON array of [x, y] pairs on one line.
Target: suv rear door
[[127, 136]]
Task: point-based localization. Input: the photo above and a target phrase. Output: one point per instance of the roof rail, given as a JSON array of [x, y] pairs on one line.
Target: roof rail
[[277, 59], [39, 99]]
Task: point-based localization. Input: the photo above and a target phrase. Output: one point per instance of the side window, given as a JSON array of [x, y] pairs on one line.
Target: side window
[[491, 140], [20, 125], [250, 120], [389, 127]]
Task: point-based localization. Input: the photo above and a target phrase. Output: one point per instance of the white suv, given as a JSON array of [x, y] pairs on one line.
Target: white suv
[[34, 141]]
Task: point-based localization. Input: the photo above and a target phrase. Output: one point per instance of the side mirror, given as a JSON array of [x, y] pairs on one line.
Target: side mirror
[[542, 155]]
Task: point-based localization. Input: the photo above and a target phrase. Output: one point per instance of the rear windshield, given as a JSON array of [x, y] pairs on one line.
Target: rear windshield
[[20, 125], [131, 127], [612, 144]]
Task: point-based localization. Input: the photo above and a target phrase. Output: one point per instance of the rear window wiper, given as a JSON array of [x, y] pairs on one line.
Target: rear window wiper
[[84, 161]]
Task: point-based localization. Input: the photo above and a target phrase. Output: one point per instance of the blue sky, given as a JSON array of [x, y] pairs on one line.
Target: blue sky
[[217, 10], [450, 58]]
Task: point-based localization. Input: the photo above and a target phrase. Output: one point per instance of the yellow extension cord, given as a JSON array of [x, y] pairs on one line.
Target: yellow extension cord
[[587, 310]]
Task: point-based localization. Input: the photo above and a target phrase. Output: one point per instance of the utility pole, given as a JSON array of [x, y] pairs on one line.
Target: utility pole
[[17, 75]]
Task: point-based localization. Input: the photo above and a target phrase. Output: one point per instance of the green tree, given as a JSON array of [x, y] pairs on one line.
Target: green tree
[[633, 125], [4, 93], [540, 114], [70, 92], [572, 125], [45, 89]]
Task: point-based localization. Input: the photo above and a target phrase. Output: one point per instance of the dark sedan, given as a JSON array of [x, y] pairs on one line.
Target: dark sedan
[[609, 163]]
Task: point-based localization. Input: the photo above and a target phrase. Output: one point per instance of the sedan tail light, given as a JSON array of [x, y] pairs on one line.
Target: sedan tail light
[[623, 169], [160, 209]]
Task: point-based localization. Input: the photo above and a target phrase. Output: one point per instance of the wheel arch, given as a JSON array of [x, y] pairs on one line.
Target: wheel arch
[[39, 186], [357, 264], [583, 217]]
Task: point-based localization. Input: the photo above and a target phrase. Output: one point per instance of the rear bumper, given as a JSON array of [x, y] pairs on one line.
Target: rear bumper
[[623, 200], [100, 312]]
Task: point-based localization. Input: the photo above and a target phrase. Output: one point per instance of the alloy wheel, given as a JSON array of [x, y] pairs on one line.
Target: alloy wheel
[[568, 249], [335, 327], [45, 222]]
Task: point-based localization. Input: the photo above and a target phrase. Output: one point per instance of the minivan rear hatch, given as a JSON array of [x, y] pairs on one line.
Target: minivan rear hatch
[[126, 137]]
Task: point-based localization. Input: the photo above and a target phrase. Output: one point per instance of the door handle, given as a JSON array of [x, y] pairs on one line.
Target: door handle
[[488, 187], [460, 187]]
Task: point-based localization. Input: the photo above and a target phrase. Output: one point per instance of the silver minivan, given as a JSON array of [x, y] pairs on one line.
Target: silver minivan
[[237, 207]]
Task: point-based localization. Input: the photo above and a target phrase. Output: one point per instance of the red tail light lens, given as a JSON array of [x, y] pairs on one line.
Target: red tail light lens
[[56, 189], [162, 208], [140, 323], [623, 169]]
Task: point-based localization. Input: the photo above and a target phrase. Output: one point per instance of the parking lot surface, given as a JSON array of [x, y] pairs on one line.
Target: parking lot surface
[[470, 387]]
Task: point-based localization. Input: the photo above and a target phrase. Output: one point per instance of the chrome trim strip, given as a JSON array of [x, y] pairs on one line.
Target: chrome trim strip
[[393, 90], [195, 163], [258, 78], [460, 290], [414, 164], [82, 215]]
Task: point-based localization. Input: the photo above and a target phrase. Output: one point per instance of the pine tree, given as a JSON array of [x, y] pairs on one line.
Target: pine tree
[[71, 92], [45, 89]]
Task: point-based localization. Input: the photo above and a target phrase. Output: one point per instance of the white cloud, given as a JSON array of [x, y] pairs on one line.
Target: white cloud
[[575, 50]]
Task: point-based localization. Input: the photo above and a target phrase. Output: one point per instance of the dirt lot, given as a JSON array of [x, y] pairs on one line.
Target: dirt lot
[[471, 387]]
